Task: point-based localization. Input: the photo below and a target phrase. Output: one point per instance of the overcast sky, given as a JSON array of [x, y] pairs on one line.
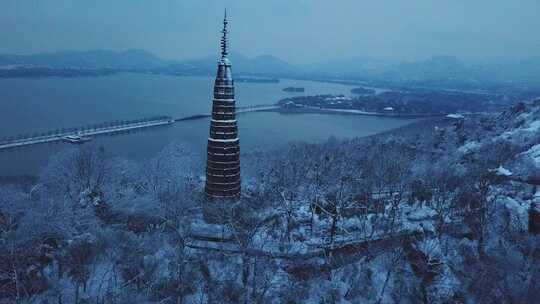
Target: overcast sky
[[298, 31]]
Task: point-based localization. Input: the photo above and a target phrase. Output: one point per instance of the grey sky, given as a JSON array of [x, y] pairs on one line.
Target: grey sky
[[298, 31]]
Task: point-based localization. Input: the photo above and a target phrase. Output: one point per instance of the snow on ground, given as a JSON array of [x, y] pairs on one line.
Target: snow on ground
[[534, 154], [536, 197], [502, 171], [534, 126], [455, 116], [420, 214], [417, 218], [445, 285], [506, 135], [524, 116], [379, 269], [430, 247], [469, 147], [517, 210]]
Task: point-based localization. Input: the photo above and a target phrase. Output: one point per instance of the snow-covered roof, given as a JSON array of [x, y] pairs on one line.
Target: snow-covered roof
[[337, 98], [469, 147], [455, 116], [502, 171]]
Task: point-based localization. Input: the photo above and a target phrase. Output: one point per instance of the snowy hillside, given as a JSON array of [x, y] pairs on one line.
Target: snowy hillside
[[442, 211]]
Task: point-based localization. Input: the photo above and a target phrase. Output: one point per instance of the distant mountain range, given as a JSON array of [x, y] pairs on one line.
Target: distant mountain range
[[143, 60], [434, 69], [265, 65], [439, 70], [94, 59]]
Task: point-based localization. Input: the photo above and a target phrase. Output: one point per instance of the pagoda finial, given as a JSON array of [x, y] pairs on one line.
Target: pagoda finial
[[224, 37]]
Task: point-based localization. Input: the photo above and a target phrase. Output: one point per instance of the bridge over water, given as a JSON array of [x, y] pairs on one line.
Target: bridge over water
[[110, 128]]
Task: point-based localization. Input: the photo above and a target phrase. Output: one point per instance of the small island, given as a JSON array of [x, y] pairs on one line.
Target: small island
[[294, 89], [362, 91], [257, 80]]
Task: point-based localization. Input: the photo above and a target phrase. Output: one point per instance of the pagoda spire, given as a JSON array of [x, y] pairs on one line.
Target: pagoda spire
[[223, 152], [224, 40]]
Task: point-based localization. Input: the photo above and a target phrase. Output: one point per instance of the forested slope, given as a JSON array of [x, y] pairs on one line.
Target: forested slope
[[439, 212]]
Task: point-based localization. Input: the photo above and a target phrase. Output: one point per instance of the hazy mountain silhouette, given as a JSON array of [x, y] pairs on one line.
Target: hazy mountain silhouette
[[437, 68], [128, 59], [260, 65]]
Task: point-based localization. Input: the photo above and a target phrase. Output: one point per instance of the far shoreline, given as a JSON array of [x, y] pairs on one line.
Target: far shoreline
[[310, 110]]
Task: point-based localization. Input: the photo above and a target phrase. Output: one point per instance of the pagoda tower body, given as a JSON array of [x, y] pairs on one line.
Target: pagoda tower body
[[223, 152]]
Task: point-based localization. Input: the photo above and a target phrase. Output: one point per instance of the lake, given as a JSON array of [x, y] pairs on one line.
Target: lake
[[37, 105]]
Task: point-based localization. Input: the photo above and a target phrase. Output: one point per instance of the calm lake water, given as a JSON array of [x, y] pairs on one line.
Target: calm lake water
[[37, 105]]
